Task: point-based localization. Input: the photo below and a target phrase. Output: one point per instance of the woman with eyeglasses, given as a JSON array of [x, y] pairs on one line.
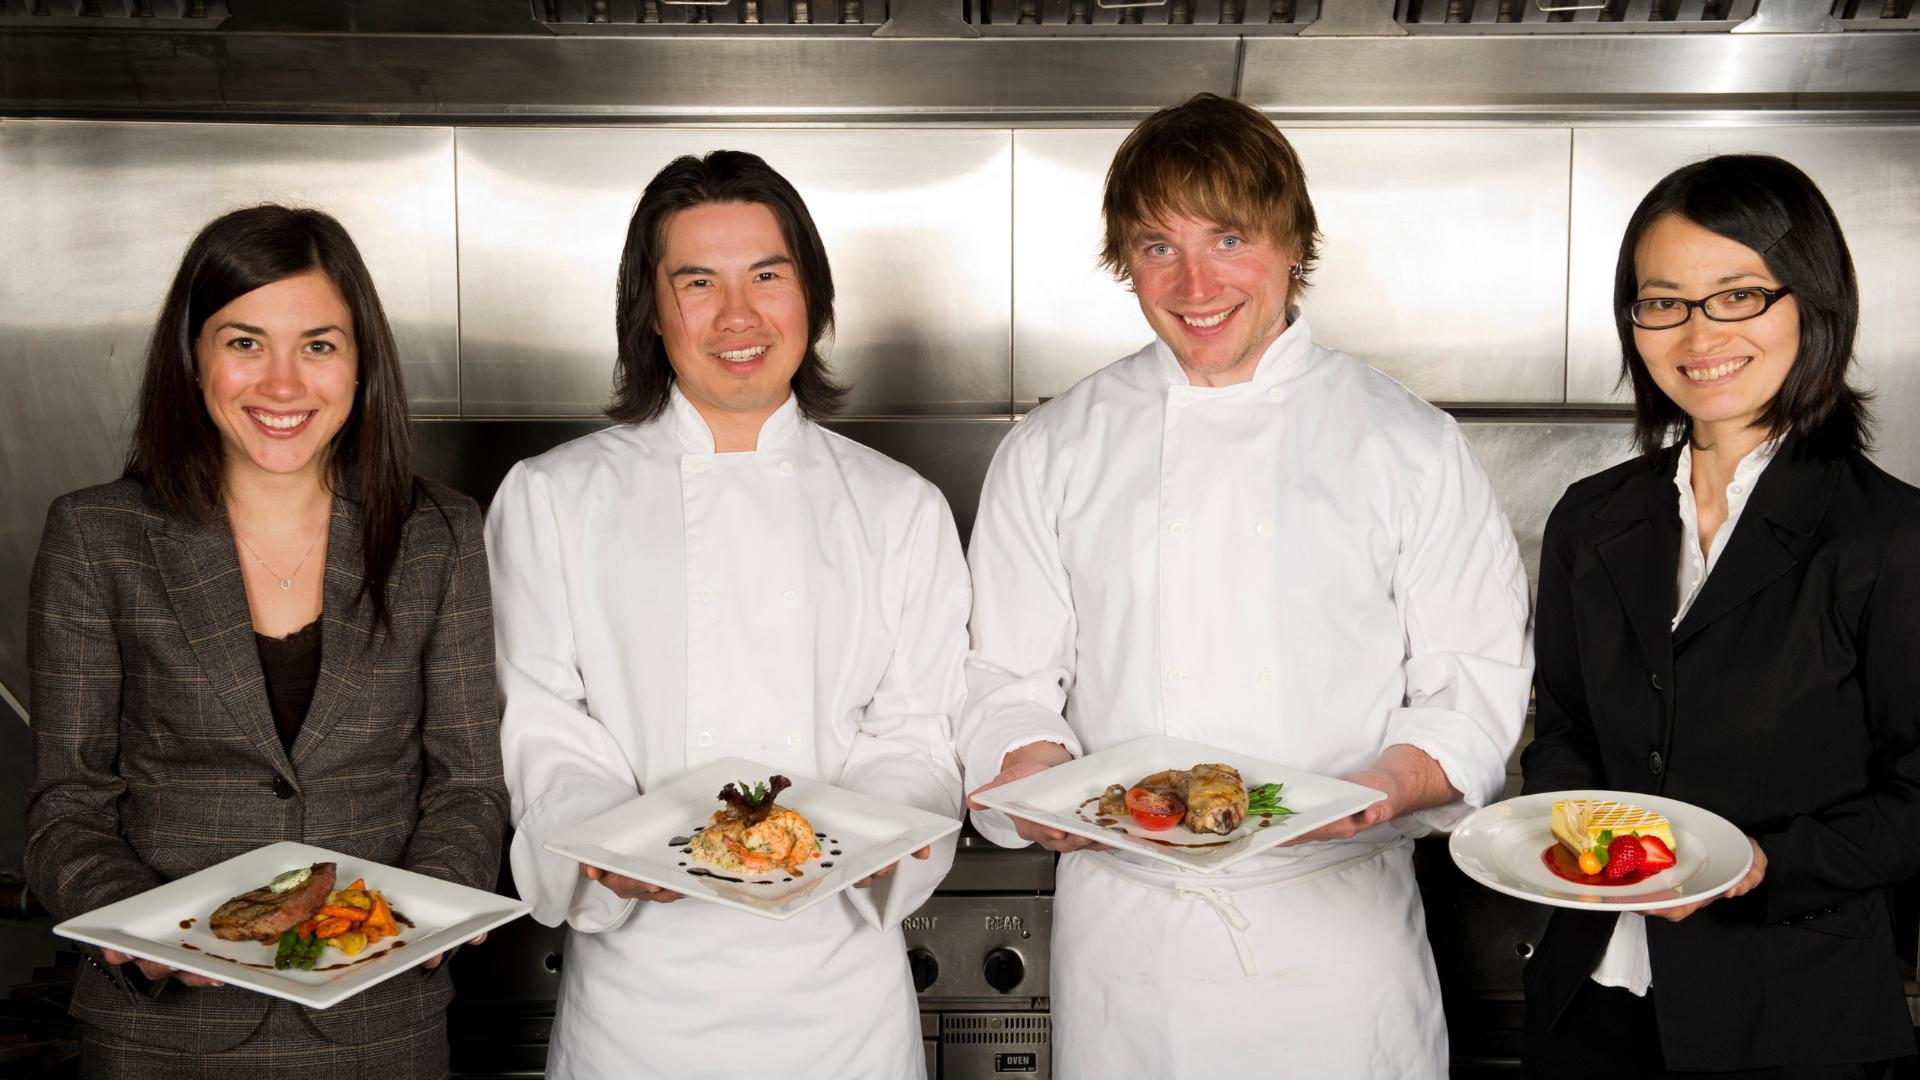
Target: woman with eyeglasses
[[1732, 619]]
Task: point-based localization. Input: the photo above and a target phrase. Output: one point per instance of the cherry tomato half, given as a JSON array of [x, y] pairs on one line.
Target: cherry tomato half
[[1154, 810]]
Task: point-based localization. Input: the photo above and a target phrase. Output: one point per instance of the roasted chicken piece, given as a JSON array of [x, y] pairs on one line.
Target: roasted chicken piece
[[1216, 799]]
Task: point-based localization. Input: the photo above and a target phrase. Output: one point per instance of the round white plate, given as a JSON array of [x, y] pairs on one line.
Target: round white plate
[[1499, 846]]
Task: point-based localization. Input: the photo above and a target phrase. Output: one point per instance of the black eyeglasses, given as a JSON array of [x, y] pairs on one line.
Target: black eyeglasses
[[1733, 305]]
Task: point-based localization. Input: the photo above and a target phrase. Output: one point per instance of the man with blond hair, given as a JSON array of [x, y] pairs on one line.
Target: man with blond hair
[[1244, 538]]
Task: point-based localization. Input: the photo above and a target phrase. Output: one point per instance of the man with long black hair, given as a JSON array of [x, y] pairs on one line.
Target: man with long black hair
[[717, 576]]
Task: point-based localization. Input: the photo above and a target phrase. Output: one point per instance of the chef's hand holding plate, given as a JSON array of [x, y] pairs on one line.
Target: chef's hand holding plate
[[156, 972], [923, 853], [1754, 876], [627, 888], [1024, 762], [1411, 779]]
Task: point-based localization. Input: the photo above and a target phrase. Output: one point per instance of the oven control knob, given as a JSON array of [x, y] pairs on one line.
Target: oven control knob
[[925, 969], [1005, 969]]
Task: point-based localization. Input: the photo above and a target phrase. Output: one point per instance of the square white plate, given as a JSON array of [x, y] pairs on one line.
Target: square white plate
[[1065, 797], [860, 835], [150, 925]]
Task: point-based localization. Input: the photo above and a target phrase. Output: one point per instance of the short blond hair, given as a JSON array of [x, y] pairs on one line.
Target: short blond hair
[[1218, 160]]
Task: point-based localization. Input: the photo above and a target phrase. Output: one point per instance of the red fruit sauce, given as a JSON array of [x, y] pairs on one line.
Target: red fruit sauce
[[1561, 861]]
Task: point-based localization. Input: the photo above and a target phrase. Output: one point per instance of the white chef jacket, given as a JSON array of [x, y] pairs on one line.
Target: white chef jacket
[[1306, 567], [659, 606], [1626, 963]]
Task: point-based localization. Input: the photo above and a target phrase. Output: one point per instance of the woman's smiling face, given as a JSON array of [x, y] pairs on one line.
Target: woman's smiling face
[[1722, 374], [277, 369]]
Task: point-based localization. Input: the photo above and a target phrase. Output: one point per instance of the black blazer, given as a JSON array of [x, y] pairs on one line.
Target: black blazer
[[1788, 702]]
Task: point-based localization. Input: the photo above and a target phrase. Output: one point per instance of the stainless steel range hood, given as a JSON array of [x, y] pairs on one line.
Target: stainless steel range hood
[[956, 60]]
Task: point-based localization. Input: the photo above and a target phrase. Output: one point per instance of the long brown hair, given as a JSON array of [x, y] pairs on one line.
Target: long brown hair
[[176, 450], [643, 377]]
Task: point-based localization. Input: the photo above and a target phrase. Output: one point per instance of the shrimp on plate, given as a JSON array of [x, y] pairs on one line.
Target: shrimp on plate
[[754, 835]]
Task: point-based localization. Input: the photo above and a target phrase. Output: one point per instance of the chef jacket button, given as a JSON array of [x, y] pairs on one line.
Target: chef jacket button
[[1266, 678], [793, 741], [1737, 489], [1275, 393], [1177, 528], [695, 465], [791, 596], [1654, 678], [1655, 763], [282, 788], [786, 468], [703, 739], [1829, 909], [1180, 396], [706, 596], [1265, 528], [1176, 675]]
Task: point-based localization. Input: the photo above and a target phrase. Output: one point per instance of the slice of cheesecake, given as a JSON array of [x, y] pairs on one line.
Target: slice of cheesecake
[[1578, 823]]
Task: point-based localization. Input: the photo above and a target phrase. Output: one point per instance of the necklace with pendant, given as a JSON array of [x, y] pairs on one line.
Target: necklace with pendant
[[286, 583]]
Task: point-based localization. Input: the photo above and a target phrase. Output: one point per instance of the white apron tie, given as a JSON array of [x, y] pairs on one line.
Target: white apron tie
[[1221, 900]]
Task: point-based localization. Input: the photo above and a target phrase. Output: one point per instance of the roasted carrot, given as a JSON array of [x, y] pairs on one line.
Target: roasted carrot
[[332, 927], [347, 913], [382, 917], [358, 883]]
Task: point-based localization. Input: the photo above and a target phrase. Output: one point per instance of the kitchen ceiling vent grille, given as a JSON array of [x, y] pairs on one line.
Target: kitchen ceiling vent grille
[[113, 14], [1612, 16], [615, 17], [1202, 17]]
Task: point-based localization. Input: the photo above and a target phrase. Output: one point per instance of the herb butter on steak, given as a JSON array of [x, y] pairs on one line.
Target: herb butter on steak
[[263, 915]]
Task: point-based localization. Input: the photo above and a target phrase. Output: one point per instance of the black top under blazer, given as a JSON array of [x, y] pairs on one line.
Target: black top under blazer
[[156, 755], [1788, 702]]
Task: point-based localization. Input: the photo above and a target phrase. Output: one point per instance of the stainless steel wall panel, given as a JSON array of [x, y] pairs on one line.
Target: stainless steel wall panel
[[1444, 261], [916, 222], [96, 217], [1069, 317], [1869, 173], [1532, 462]]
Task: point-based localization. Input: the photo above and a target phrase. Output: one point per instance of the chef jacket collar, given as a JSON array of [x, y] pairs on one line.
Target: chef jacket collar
[[1286, 359], [691, 428]]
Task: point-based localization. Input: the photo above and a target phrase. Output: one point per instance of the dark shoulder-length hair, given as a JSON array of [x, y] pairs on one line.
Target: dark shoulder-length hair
[[643, 378], [1769, 205], [176, 451]]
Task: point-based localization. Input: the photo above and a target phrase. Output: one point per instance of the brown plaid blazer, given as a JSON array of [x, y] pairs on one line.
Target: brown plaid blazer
[[156, 754]]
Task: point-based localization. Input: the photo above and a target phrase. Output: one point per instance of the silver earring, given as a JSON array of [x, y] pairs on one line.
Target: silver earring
[[1296, 272]]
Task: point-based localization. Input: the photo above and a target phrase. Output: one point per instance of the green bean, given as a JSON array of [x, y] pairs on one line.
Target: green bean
[[284, 954]]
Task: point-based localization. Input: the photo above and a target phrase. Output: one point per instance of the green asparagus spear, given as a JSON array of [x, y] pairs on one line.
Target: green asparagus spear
[[1264, 801]]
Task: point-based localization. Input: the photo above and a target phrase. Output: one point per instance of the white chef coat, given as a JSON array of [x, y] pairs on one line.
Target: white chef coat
[[660, 606], [1626, 963], [1307, 567]]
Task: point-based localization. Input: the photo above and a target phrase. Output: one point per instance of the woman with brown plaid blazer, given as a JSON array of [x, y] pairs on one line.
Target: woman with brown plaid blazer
[[267, 630]]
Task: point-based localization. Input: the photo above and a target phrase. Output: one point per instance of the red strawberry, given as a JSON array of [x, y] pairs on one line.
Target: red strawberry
[[1625, 857], [1659, 855]]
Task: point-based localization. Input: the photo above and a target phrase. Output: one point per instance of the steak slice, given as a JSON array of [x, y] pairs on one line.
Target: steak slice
[[263, 915]]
